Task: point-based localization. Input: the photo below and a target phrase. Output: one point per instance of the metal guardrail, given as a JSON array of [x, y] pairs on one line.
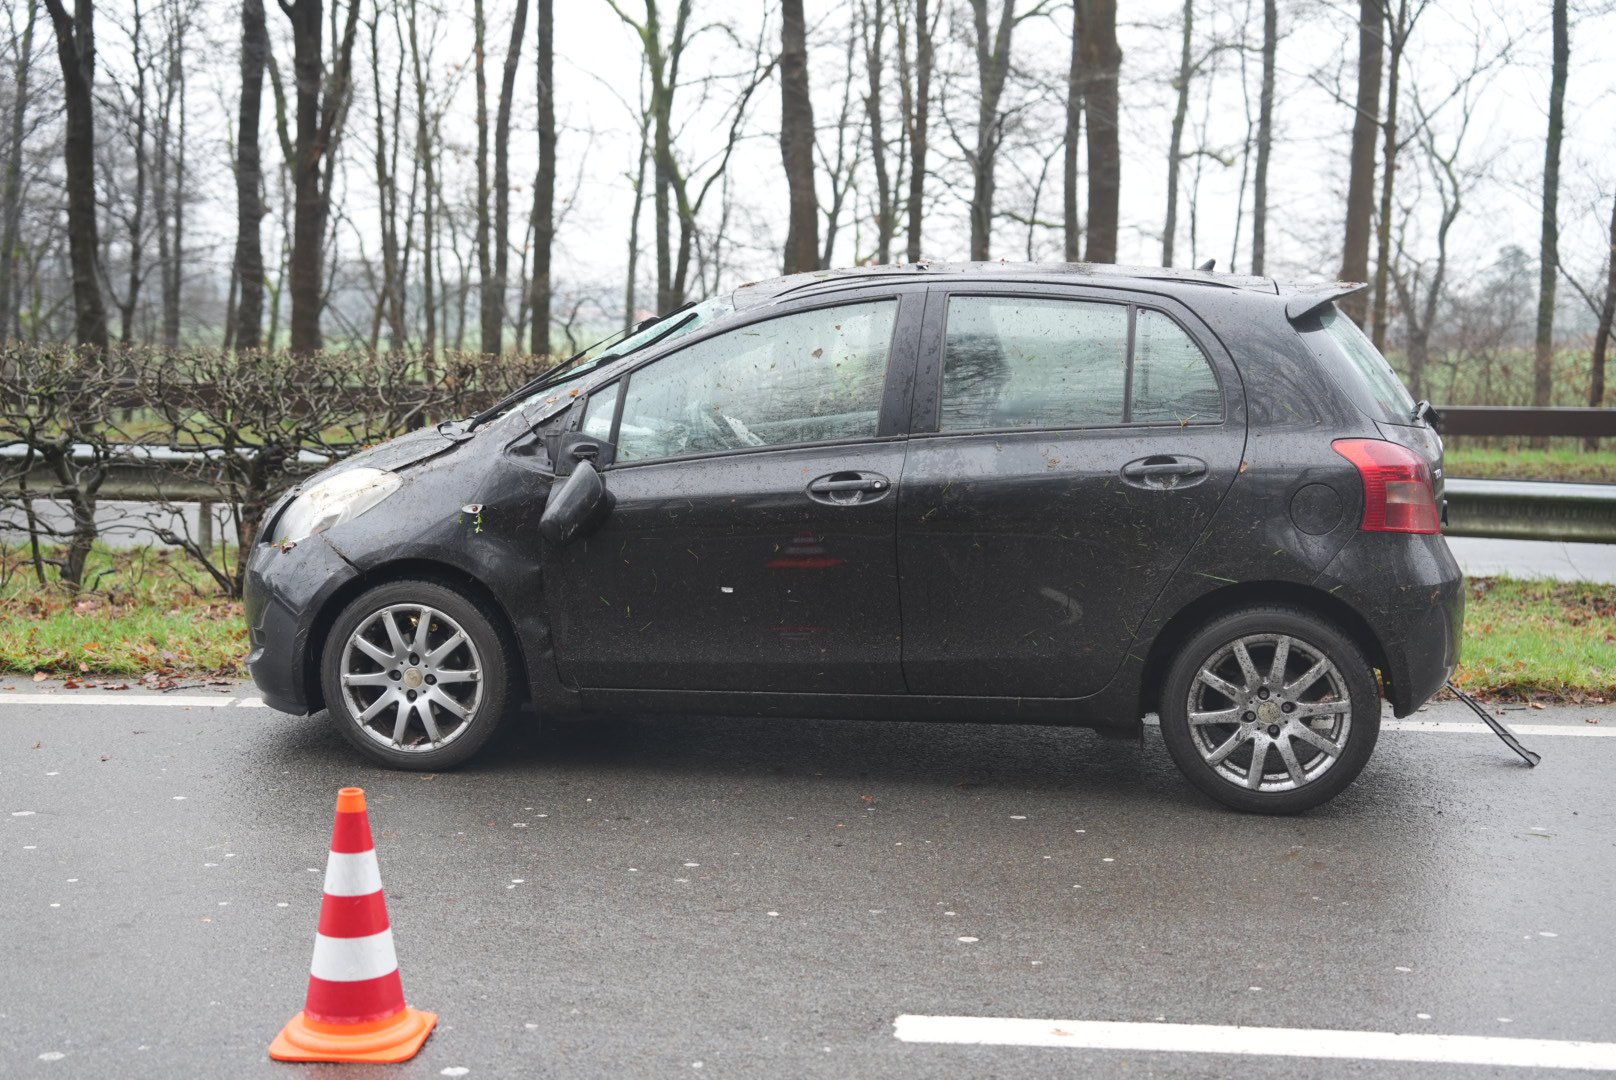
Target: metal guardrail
[[1531, 510], [1526, 420]]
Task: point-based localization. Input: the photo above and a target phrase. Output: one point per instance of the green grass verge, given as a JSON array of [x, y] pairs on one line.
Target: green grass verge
[[1540, 639], [151, 613], [1496, 463]]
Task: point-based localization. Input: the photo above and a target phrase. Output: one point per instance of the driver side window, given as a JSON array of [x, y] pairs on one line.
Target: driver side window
[[810, 377]]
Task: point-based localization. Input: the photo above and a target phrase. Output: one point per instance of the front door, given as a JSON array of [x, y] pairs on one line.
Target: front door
[[1067, 451], [751, 542]]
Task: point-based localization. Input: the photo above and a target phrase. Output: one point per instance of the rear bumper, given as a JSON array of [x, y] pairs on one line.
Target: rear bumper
[[284, 594], [1411, 593]]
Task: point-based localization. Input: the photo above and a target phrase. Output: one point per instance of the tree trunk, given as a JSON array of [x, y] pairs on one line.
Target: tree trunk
[[494, 287], [429, 236], [75, 49], [918, 123], [1361, 177], [1175, 145], [992, 66], [544, 184], [11, 201], [797, 141], [1607, 314], [487, 301], [1397, 38], [169, 271], [1102, 60], [886, 211], [318, 128], [249, 326], [1549, 251], [1074, 131], [1265, 139], [141, 62]]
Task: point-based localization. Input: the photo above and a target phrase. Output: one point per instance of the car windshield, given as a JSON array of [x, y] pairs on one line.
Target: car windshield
[[677, 325]]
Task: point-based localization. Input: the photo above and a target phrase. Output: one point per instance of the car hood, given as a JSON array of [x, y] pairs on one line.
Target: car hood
[[399, 453]]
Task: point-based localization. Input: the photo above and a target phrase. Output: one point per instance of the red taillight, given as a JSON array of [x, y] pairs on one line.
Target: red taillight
[[1398, 495]]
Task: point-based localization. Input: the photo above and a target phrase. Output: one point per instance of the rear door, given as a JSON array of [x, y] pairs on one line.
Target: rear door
[[1068, 448], [751, 544]]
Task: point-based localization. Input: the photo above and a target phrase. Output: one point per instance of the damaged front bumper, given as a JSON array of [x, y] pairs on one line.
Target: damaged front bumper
[[285, 589]]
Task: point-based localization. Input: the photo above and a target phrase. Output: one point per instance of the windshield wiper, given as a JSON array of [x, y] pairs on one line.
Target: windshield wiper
[[553, 374], [1427, 413]]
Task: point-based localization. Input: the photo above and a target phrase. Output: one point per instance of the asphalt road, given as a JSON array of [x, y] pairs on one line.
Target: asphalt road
[[719, 897]]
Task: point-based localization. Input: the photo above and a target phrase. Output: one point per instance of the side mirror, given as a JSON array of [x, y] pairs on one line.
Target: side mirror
[[575, 507]]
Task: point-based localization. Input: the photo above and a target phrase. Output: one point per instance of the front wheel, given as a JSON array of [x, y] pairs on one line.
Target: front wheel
[[415, 676], [1270, 710]]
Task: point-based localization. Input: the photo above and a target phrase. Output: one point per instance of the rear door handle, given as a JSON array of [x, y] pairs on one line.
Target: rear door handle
[[1163, 470], [848, 488]]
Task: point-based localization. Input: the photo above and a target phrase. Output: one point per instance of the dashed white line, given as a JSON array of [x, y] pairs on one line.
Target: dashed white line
[[1259, 1041]]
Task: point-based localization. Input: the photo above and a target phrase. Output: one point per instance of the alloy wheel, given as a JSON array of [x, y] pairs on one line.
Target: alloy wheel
[[411, 677], [1269, 712]]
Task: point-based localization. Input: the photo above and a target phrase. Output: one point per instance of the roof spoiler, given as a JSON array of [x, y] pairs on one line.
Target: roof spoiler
[[1306, 301]]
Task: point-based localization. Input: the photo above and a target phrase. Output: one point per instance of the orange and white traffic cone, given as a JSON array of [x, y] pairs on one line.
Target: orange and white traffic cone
[[355, 1010]]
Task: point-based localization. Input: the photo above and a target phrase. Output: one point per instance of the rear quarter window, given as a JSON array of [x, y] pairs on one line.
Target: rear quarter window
[[1360, 369]]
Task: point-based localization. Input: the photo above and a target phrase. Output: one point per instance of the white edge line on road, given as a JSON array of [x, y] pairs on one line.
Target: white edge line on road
[[199, 701], [174, 701], [1263, 1041]]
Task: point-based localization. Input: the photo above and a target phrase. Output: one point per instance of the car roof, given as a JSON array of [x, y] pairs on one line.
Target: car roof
[[1300, 297], [757, 293]]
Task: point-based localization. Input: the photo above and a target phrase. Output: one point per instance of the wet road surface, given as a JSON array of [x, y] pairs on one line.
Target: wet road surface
[[721, 897]]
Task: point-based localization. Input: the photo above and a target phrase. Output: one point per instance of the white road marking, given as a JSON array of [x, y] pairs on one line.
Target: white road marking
[[249, 701], [1472, 727], [1260, 1041]]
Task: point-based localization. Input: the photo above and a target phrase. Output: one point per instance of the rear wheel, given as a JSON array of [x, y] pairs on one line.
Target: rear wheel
[[1272, 710], [415, 676]]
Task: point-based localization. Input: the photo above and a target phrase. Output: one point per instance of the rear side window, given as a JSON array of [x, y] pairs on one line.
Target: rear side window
[[809, 377], [1016, 362], [1171, 380], [1012, 362], [1374, 375]]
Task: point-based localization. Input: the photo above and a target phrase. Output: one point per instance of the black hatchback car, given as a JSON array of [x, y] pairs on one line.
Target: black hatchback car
[[1033, 494]]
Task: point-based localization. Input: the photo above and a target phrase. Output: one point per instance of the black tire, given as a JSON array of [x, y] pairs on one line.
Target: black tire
[[484, 699], [1272, 719]]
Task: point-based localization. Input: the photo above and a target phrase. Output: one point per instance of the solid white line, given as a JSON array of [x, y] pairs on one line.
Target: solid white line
[[352, 873], [351, 959], [1471, 727], [176, 701], [198, 701], [1274, 1042]]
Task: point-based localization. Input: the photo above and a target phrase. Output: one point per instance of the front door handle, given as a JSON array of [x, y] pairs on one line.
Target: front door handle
[[848, 488], [1163, 471]]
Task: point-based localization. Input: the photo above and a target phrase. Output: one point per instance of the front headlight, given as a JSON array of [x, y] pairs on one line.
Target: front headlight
[[331, 502]]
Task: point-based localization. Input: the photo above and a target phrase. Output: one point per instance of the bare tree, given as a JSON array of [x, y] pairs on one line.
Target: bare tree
[[916, 112], [797, 141], [872, 23], [493, 285], [1176, 142], [11, 197], [1607, 314], [1361, 175], [1071, 225], [249, 267], [1549, 248], [319, 127], [1265, 139], [1102, 62], [425, 140], [544, 185], [1399, 25], [75, 48]]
